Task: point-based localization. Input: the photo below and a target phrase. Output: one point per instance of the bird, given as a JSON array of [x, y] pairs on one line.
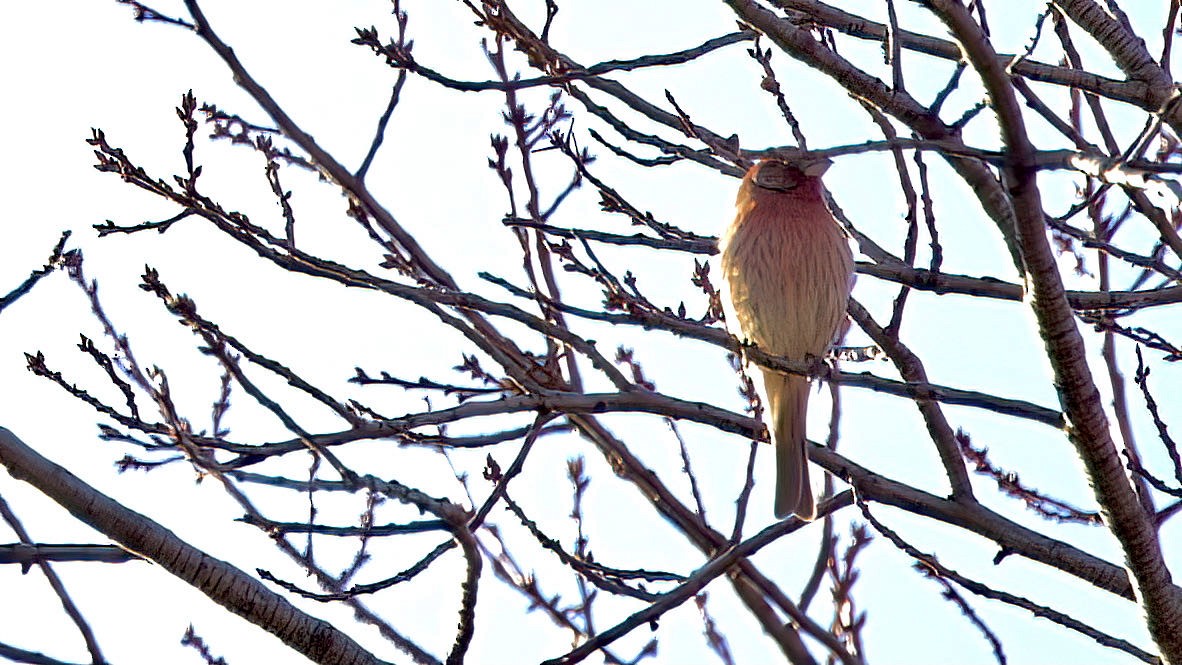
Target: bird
[[788, 273]]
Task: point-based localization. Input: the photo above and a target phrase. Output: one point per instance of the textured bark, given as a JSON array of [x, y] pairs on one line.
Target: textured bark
[[1087, 423]]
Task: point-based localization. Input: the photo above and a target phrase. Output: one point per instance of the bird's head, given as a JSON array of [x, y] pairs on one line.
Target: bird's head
[[787, 176]]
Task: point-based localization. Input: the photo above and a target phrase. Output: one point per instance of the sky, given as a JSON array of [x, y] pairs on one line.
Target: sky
[[88, 64]]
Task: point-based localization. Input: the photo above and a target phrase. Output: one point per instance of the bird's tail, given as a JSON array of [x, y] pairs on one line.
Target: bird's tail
[[788, 397]]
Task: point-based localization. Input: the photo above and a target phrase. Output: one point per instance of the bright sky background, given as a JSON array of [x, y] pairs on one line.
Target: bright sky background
[[78, 65]]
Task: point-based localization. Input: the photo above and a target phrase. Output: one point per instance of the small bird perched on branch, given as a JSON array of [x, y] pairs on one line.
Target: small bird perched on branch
[[789, 271]]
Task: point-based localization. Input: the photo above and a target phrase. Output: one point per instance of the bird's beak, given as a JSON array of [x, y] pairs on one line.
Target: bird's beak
[[815, 168]]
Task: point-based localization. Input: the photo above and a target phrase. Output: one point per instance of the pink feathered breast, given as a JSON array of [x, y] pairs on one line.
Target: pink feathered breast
[[788, 266]]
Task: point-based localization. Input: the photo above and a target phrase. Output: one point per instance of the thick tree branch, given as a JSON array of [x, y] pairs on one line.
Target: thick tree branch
[[1137, 91], [225, 584], [1088, 425]]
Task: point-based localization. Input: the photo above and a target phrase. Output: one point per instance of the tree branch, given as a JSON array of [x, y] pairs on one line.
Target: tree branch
[[223, 583]]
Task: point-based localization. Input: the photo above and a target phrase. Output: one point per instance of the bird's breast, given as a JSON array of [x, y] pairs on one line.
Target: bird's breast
[[787, 265]]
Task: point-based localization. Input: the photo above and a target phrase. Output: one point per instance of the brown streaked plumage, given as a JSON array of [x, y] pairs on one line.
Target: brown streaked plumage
[[789, 271]]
